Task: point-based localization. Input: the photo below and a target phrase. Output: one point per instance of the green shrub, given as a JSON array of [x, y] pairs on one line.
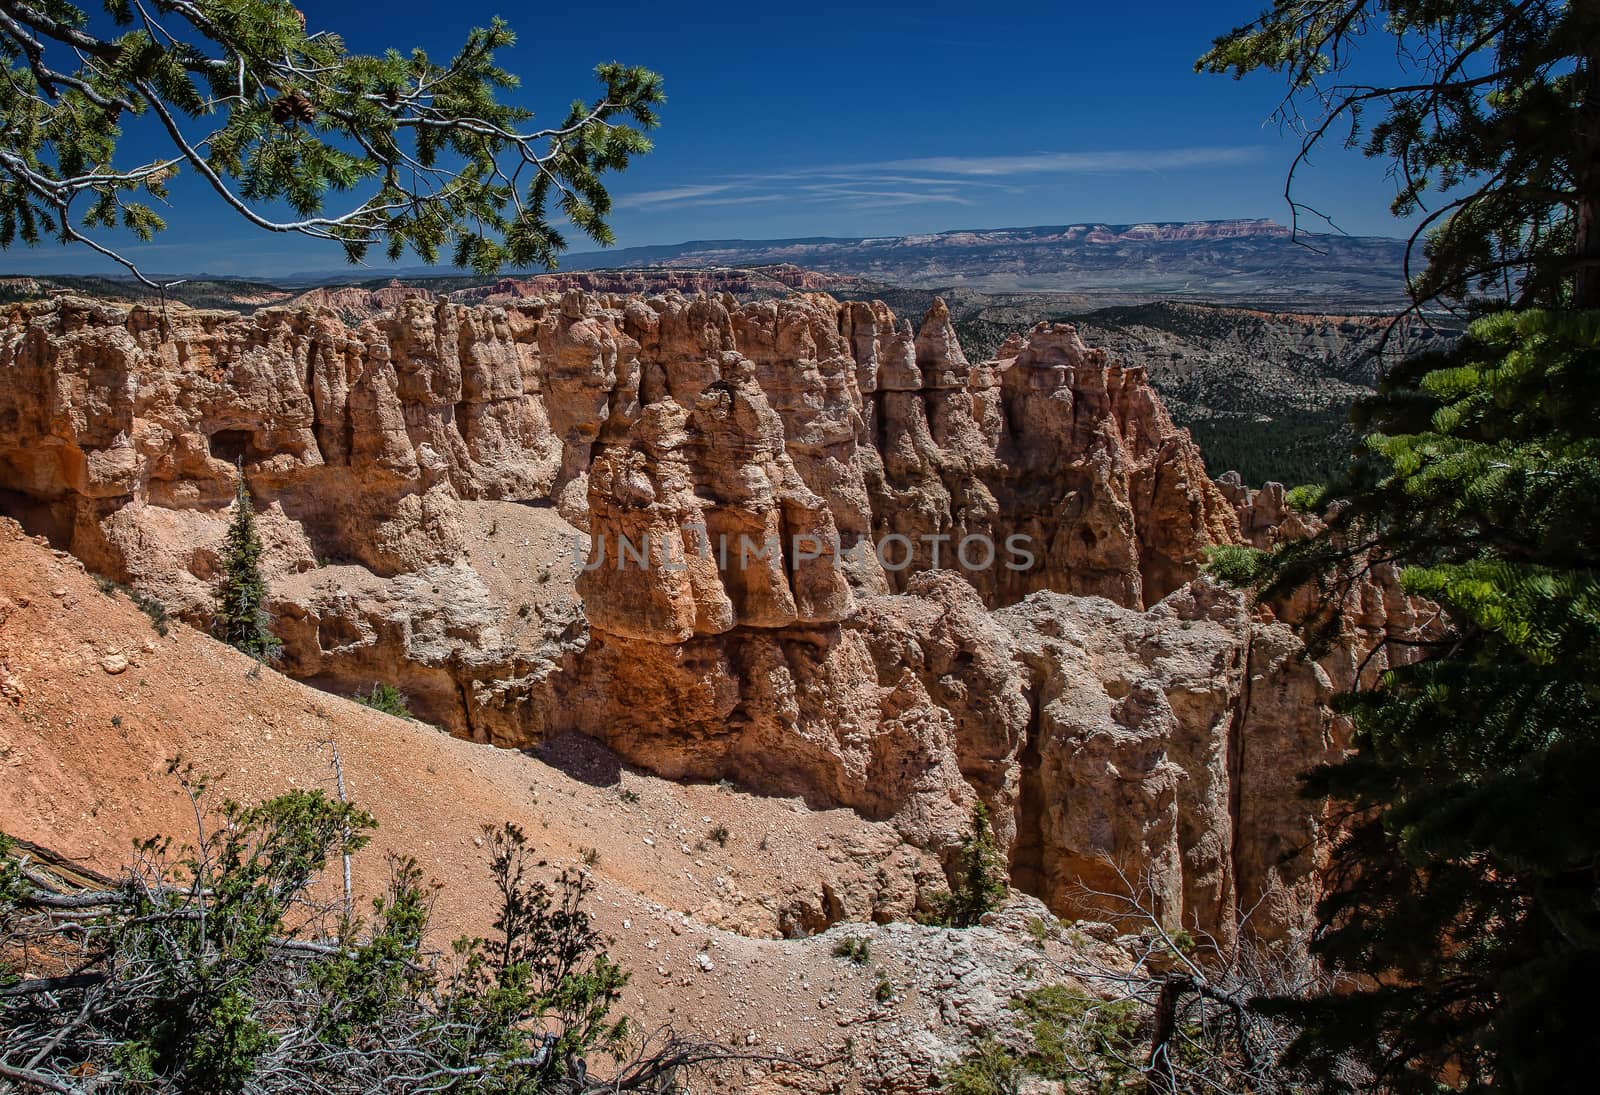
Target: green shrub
[[855, 948], [12, 888], [218, 968], [159, 619], [988, 1068], [1235, 565], [150, 606], [224, 1046], [387, 698], [1074, 1035], [1309, 498]]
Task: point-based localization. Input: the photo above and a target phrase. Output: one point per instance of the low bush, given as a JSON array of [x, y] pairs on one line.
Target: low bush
[[218, 968], [855, 948], [387, 698]]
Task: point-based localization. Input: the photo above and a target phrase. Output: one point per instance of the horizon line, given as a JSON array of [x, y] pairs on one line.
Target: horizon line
[[445, 270]]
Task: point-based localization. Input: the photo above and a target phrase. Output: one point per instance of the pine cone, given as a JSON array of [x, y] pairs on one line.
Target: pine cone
[[293, 107]]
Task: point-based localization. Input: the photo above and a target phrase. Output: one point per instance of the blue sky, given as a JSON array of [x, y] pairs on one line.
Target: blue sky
[[861, 119]]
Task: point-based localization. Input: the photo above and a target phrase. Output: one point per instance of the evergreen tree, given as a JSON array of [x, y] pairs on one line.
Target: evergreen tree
[[1462, 902], [242, 620], [422, 155], [980, 876], [1464, 891]]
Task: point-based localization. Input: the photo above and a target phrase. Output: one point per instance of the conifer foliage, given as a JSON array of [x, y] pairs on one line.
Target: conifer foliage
[[1467, 880], [395, 150], [1487, 118], [1461, 905], [242, 621], [979, 876], [217, 968]]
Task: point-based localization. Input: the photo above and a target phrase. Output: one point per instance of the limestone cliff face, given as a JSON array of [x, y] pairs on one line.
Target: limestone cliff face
[[120, 429], [695, 520], [1157, 749], [364, 439], [799, 543]]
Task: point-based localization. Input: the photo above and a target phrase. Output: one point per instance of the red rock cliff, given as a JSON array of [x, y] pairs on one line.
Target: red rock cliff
[[1105, 703]]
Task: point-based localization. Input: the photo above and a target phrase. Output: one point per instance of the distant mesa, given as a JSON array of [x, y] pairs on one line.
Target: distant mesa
[[774, 280], [1222, 260]]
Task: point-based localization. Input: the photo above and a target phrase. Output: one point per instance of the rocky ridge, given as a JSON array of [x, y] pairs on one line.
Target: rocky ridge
[[455, 498], [742, 281], [1244, 261], [356, 303]]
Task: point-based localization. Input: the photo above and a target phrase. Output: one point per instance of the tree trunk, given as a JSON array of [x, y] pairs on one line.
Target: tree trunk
[[1158, 1073], [1586, 277], [1586, 174]]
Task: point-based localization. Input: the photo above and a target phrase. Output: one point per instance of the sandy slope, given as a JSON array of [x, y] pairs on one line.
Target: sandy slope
[[93, 703]]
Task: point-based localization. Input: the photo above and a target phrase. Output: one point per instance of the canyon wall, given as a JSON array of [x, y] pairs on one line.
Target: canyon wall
[[514, 514]]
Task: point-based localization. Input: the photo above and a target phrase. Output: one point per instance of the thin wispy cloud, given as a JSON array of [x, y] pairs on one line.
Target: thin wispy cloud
[[1078, 163], [740, 199], [907, 196], [929, 179], [672, 195]]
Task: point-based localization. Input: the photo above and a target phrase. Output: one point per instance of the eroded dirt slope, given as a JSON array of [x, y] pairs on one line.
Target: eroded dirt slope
[[93, 703]]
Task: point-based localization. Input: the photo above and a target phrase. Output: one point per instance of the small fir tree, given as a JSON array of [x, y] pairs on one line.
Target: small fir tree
[[242, 612], [980, 876]]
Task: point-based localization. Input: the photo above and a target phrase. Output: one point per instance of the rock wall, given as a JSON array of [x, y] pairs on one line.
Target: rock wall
[[1125, 722], [359, 444], [779, 279], [363, 439]]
